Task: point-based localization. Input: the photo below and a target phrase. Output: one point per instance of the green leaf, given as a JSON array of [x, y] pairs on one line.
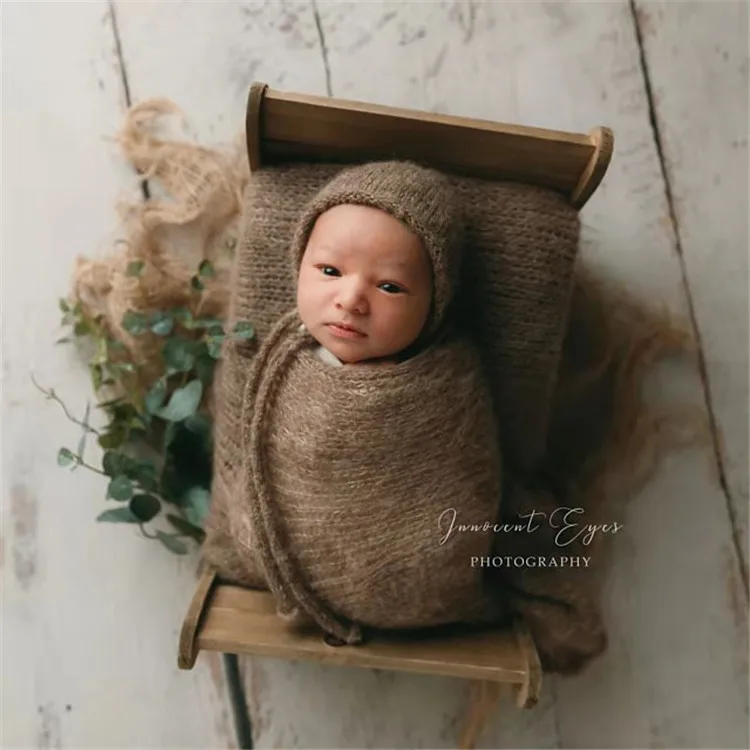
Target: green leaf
[[214, 346], [169, 434], [204, 369], [209, 322], [185, 527], [171, 543], [64, 340], [205, 269], [196, 501], [135, 268], [155, 397], [137, 423], [101, 356], [243, 330], [199, 424], [65, 457], [181, 315], [64, 306], [162, 323], [183, 403], [81, 328], [196, 284], [114, 438], [145, 473], [145, 507], [112, 463], [97, 376], [179, 354], [118, 515], [135, 322], [120, 488]]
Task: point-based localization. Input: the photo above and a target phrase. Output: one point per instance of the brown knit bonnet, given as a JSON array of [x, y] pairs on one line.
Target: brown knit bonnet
[[421, 198]]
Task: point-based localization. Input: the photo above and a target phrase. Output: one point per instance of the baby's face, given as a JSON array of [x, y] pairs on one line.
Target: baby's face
[[363, 270]]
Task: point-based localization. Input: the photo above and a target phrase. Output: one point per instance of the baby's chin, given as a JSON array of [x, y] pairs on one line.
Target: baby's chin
[[353, 351]]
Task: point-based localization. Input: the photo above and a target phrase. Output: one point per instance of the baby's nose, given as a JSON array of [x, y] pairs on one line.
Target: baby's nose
[[352, 298]]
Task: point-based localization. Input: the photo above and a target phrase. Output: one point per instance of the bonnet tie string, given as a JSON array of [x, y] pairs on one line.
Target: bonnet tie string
[[282, 572]]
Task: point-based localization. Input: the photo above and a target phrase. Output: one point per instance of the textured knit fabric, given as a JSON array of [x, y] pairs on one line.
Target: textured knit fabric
[[349, 477]]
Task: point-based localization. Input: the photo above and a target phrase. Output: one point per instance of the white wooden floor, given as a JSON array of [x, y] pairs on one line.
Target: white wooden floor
[[90, 614]]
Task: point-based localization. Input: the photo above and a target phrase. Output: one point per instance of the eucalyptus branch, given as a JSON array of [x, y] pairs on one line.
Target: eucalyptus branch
[[50, 394], [81, 462]]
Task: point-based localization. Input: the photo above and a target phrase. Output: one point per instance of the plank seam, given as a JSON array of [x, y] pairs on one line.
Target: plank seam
[[243, 727], [323, 47], [701, 356], [112, 10]]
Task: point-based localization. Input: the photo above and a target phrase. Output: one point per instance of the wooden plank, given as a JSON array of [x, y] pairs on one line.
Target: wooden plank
[[90, 614], [554, 65], [244, 621], [704, 131]]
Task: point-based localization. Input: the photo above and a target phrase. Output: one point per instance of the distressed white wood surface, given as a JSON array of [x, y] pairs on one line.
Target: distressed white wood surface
[[676, 671], [704, 132], [90, 613]]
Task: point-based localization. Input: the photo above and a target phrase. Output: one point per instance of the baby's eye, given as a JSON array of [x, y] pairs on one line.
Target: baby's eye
[[391, 288], [326, 269]]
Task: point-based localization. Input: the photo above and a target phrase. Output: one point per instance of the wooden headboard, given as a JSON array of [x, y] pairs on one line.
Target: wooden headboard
[[287, 127]]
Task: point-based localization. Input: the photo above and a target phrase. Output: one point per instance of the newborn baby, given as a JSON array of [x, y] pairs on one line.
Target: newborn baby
[[346, 471]]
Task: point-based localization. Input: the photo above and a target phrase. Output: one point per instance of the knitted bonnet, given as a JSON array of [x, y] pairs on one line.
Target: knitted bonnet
[[421, 198]]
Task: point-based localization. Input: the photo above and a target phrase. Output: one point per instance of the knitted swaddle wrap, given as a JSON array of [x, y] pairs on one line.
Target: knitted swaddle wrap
[[349, 475]]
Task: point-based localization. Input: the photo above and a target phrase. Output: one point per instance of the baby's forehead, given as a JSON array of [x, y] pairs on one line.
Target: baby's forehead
[[355, 230]]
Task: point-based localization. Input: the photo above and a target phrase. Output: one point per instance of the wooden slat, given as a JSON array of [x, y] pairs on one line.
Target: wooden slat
[[242, 621], [297, 126]]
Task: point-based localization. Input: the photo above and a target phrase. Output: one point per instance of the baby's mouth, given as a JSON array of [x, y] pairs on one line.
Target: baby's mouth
[[341, 330]]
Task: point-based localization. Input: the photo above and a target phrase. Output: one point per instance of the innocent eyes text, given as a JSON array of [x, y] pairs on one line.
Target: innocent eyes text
[[393, 288]]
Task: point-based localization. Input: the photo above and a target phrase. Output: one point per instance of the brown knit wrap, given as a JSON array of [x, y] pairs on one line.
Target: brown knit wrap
[[348, 478]]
